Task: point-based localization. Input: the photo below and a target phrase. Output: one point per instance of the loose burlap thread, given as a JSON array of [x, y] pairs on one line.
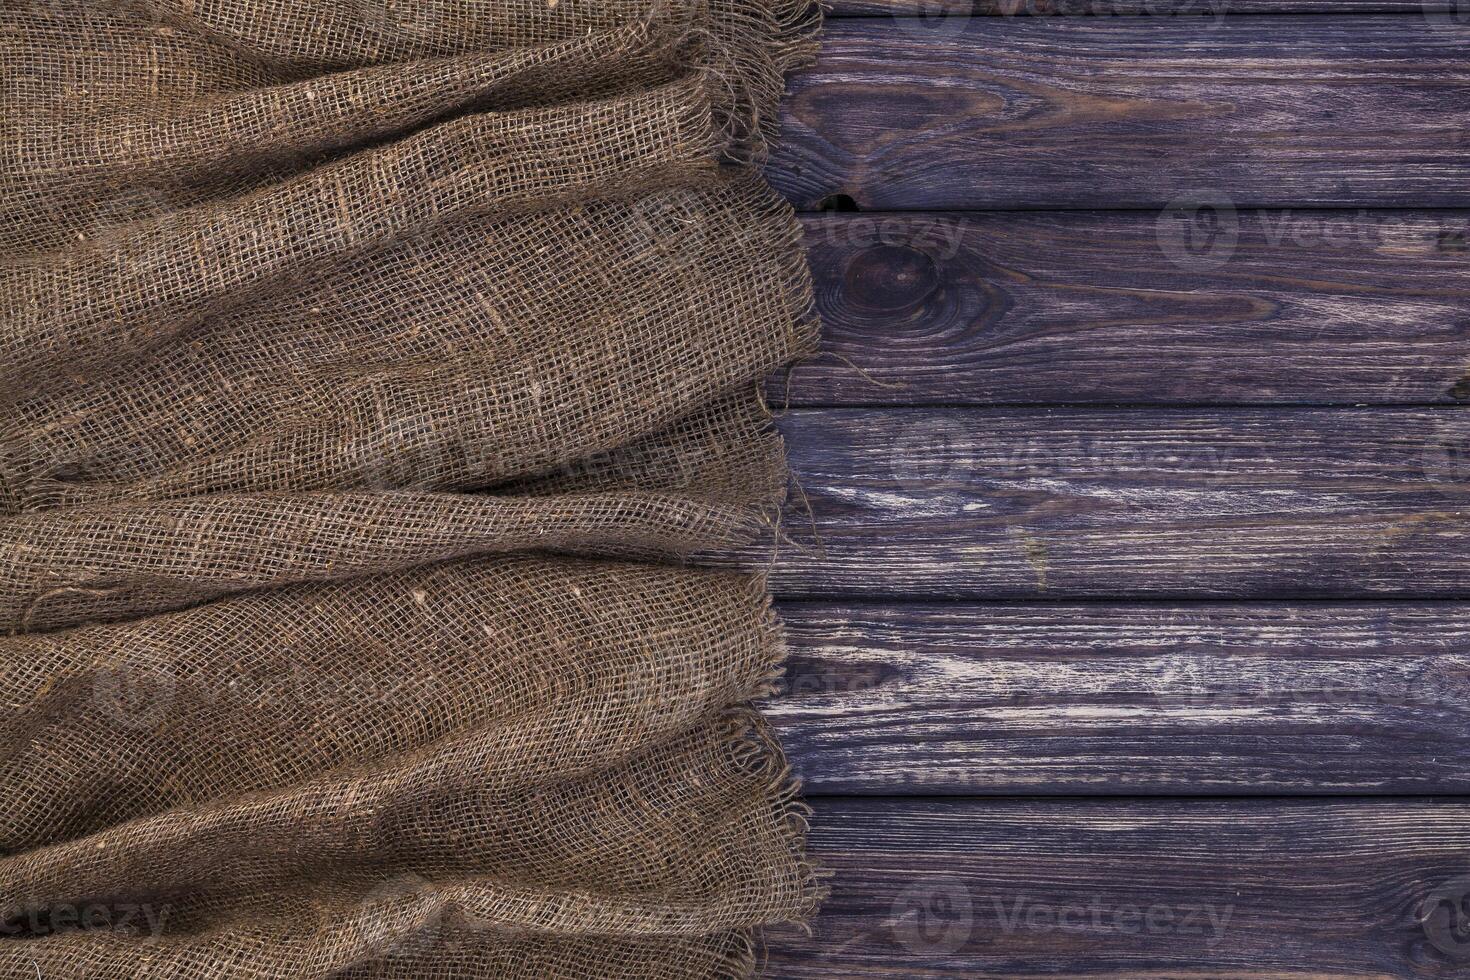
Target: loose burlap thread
[[373, 377]]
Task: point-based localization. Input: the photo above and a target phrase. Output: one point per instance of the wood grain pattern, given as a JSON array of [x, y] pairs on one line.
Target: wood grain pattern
[[1137, 890], [1254, 307], [996, 113], [1115, 699], [1287, 509], [1185, 503]]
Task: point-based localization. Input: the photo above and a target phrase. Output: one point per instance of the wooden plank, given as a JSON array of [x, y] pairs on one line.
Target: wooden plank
[[937, 9], [1322, 307], [1137, 890], [1135, 699], [996, 113], [1182, 503]]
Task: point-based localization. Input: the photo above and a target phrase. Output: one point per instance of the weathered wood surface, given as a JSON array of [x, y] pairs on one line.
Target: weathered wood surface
[[1186, 503], [1105, 699], [1127, 8], [1254, 307], [1005, 501], [1138, 890], [1078, 112]]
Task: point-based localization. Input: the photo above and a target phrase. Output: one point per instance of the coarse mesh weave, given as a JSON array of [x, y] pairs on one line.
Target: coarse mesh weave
[[370, 370]]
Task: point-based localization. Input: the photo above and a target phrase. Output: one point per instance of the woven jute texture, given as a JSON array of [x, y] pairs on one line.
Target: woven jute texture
[[375, 378]]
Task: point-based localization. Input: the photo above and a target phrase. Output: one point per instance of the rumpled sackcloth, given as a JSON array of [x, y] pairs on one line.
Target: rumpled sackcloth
[[373, 376]]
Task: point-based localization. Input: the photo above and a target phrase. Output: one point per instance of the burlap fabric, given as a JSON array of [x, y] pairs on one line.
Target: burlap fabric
[[369, 373]]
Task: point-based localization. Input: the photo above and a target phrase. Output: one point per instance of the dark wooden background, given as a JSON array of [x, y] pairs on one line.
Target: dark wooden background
[[1130, 623]]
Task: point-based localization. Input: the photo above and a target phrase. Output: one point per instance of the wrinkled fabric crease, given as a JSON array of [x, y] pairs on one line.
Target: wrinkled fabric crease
[[382, 448]]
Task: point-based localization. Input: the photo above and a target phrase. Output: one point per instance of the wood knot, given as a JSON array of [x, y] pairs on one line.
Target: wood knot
[[890, 278]]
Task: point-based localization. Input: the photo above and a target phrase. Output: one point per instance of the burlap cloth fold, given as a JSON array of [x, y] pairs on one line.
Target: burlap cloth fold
[[370, 370]]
